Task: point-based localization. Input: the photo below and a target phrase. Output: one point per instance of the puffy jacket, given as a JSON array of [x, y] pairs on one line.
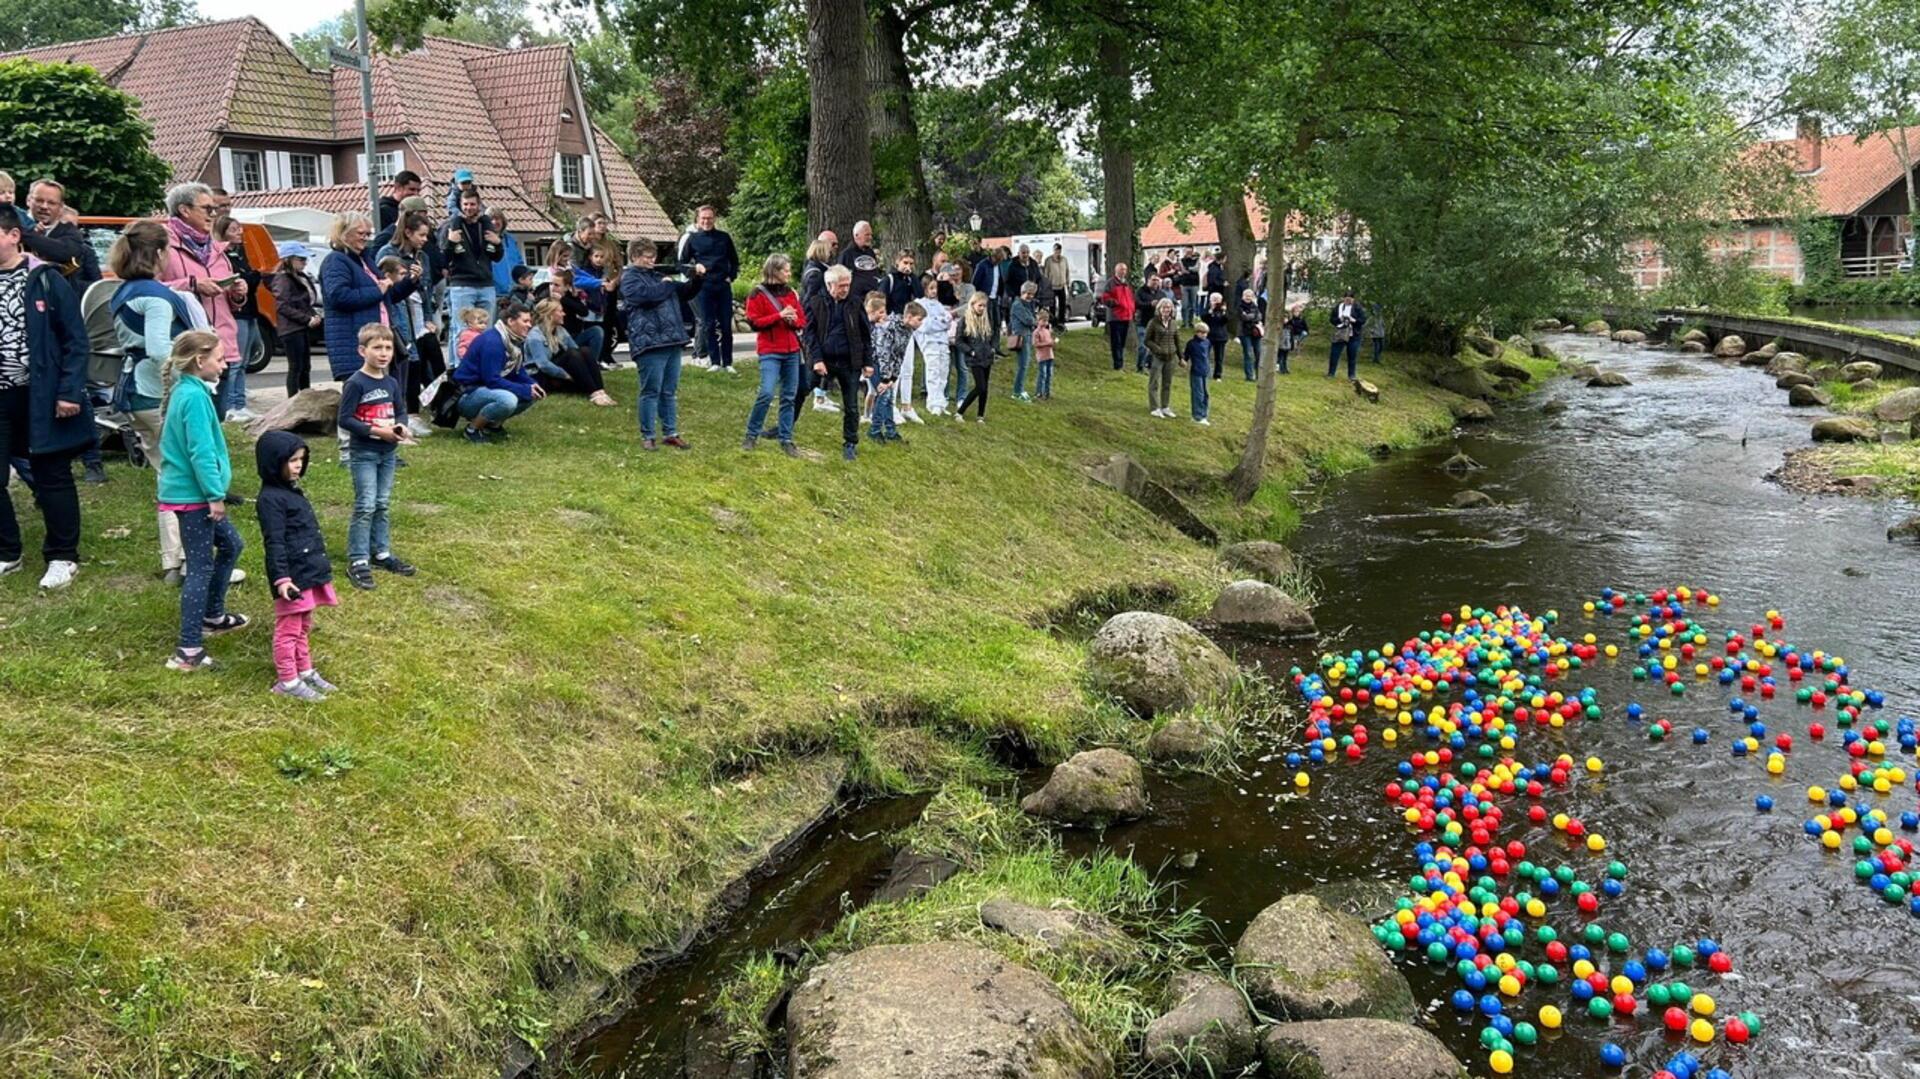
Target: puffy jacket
[[1144, 299], [57, 352], [296, 549], [1216, 320], [487, 363], [1119, 300], [764, 305], [975, 351], [193, 449], [1163, 340], [294, 300], [653, 307], [352, 298]]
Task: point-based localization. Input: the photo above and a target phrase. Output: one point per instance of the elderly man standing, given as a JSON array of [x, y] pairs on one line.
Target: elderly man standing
[[862, 261], [838, 340], [713, 248], [471, 247], [1059, 274]]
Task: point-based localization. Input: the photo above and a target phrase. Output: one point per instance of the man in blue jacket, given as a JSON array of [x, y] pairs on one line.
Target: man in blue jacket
[[44, 412], [494, 383]]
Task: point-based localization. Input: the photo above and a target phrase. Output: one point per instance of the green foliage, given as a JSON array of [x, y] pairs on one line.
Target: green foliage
[[51, 22], [1819, 240], [64, 121], [1896, 290], [680, 138], [978, 159], [331, 762], [1863, 75], [611, 84], [769, 139], [401, 24]]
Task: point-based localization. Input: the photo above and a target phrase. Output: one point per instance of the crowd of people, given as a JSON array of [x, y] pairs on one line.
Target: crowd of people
[[433, 320]]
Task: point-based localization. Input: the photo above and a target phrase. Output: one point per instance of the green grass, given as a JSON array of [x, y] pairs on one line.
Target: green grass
[[619, 679], [1898, 464]]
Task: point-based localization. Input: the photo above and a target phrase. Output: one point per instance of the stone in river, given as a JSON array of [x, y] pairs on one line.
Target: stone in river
[[1156, 663], [1091, 789], [1845, 429], [1607, 379], [1356, 1049], [1303, 959], [1860, 371], [1208, 1031], [1808, 395]]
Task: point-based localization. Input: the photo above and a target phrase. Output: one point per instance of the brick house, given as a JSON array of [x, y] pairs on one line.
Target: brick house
[[232, 106], [1163, 234], [1857, 183]]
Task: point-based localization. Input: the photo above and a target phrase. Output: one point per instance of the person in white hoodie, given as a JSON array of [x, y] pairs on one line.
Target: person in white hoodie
[[932, 341]]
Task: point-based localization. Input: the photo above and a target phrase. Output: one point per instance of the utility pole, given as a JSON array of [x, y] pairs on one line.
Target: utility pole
[[361, 60]]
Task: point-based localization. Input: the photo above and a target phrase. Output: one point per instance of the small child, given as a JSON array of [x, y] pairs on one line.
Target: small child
[[892, 336], [370, 413], [1197, 360], [296, 563], [192, 484], [474, 321], [522, 290], [1043, 354]]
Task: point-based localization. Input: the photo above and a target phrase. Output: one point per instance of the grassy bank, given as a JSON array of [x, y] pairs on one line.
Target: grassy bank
[[619, 678]]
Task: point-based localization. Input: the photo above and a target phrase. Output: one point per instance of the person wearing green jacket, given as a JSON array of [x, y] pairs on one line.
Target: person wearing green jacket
[[192, 484]]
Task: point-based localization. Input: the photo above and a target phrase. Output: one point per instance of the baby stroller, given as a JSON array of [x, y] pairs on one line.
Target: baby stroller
[[105, 361]]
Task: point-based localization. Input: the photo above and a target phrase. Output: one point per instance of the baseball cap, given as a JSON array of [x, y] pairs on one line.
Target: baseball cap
[[463, 176], [414, 202], [294, 249]]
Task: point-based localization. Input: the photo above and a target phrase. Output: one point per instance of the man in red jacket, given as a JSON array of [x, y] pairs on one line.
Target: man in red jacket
[[1119, 300]]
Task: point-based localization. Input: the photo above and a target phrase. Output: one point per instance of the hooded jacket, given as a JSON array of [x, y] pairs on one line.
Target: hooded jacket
[[195, 468], [653, 308], [57, 352], [296, 549]]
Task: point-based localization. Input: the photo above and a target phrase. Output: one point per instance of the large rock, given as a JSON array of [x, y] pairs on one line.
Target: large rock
[[1581, 371], [1471, 411], [1062, 930], [1185, 739], [1783, 362], [1696, 335], [1155, 663], [1259, 609], [1908, 529], [943, 1010], [1484, 344], [1305, 960], [1695, 347], [1609, 378], [1758, 359], [1471, 500], [1860, 371], [1598, 328], [1265, 559], [1542, 351], [1467, 381], [1520, 344], [1091, 789], [1208, 1031], [1900, 406], [1555, 407], [1367, 900], [1845, 429], [1460, 464], [1503, 368], [309, 412], [1630, 337], [913, 873], [1355, 1049], [1808, 396], [1546, 325], [1730, 346], [1793, 378]]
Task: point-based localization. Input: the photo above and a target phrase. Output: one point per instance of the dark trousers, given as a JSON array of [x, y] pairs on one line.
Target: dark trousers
[[298, 348], [428, 364], [1060, 307], [583, 374], [52, 487], [716, 308], [212, 548], [1217, 353], [1351, 347], [996, 317], [979, 390], [1117, 341], [1379, 345], [847, 377]]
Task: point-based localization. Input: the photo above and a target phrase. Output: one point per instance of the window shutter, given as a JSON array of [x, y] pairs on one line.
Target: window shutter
[[586, 175], [326, 170], [272, 175], [558, 188], [226, 168], [360, 160], [285, 160]]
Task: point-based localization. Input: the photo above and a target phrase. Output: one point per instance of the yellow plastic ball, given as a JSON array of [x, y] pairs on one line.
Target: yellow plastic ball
[[1701, 1030], [1594, 765], [1613, 651], [1596, 844], [1536, 908], [1583, 969], [1550, 1017], [1510, 985], [1560, 822], [1621, 984], [1816, 794], [1702, 1004], [1500, 1061], [1830, 840], [1776, 765], [1303, 780]]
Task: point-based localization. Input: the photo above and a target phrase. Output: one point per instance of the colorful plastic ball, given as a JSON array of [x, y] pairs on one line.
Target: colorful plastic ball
[[1763, 803], [1525, 1034], [1613, 1056], [1700, 736], [1657, 995], [1702, 1004], [1600, 1008], [1681, 955], [1550, 1017], [1675, 1019], [1737, 1031], [1701, 1031], [1463, 1000], [1720, 963], [1752, 1021], [1501, 1061]]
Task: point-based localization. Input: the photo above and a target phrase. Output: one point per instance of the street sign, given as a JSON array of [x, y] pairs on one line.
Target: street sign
[[346, 58]]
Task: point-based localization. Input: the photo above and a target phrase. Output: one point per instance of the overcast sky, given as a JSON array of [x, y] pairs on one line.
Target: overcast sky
[[287, 19]]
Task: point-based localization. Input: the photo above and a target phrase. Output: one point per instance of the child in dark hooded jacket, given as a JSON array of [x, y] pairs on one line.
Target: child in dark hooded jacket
[[297, 565]]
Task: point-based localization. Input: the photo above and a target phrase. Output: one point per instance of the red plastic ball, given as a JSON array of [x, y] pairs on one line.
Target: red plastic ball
[[1675, 1019]]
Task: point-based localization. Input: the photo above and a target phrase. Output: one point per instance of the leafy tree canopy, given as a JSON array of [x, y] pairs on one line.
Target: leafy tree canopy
[[24, 25], [64, 121]]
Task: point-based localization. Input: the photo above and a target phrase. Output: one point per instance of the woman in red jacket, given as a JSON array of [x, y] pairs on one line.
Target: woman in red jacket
[[1119, 300], [773, 310]]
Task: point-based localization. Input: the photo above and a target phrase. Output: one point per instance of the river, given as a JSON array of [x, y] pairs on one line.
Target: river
[[1652, 485], [1904, 320]]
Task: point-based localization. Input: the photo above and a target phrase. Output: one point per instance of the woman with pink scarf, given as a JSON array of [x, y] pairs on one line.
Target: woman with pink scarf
[[197, 264]]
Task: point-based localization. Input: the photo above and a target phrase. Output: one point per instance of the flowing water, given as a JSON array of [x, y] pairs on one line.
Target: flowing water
[[1651, 485]]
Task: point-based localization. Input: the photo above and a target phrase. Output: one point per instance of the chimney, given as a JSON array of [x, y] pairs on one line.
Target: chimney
[[1807, 142]]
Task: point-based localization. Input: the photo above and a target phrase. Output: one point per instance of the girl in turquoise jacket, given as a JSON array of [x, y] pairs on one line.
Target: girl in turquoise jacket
[[193, 479]]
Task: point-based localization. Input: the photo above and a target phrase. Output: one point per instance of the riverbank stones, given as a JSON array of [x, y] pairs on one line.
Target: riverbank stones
[[1471, 500], [1693, 347], [1091, 789], [942, 1010], [1503, 368], [1791, 379], [1730, 346], [1471, 411], [1207, 1031], [1258, 609], [1784, 362], [1598, 328], [1061, 930], [1860, 371], [1155, 663], [1460, 464], [1845, 429], [1695, 336], [1305, 960], [1606, 379], [1185, 739], [1807, 395], [1900, 406], [1355, 1049], [1629, 337], [1908, 529], [1264, 559]]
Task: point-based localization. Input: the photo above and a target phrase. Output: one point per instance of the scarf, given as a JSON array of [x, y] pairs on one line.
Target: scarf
[[197, 244], [513, 349]]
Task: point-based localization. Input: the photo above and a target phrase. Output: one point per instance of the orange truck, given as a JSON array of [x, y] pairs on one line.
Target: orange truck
[[262, 254]]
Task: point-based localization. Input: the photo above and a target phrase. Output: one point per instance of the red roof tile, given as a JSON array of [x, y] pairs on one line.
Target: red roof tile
[[1164, 230], [338, 199], [635, 211], [1853, 172], [525, 90]]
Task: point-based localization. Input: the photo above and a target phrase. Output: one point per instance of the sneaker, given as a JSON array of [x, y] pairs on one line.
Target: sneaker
[[236, 576], [847, 454], [1202, 421], [748, 443], [11, 567], [790, 450], [241, 415], [360, 575], [959, 418], [59, 574], [1027, 397], [392, 564], [96, 473], [175, 575], [469, 432], [913, 417], [649, 444], [676, 441], [731, 370], [226, 623], [313, 679], [981, 421], [188, 662], [299, 691]]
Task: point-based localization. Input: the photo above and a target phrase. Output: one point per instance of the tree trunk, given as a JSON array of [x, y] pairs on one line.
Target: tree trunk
[[1903, 151], [839, 155], [1245, 479], [903, 211], [1236, 248], [1115, 118]]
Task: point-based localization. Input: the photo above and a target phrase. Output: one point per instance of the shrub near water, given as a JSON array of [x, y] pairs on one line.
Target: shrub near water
[[619, 678]]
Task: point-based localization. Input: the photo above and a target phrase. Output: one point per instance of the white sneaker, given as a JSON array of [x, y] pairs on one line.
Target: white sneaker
[[59, 574], [913, 417], [11, 567], [241, 415], [1202, 421], [237, 575]]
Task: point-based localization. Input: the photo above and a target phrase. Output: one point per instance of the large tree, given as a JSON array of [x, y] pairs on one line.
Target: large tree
[[840, 146], [24, 25], [64, 121], [680, 146]]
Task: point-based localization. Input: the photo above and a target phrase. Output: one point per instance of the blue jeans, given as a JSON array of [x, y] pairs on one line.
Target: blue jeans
[[368, 533], [1187, 297], [494, 406], [1379, 345], [659, 390], [1280, 361], [958, 369], [1249, 355], [590, 339], [1025, 358], [1351, 347], [461, 297], [1197, 392], [779, 373], [1043, 382], [212, 547], [883, 428], [1143, 359], [233, 381]]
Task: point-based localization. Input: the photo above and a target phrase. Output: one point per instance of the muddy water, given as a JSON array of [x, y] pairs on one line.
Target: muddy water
[[1654, 484]]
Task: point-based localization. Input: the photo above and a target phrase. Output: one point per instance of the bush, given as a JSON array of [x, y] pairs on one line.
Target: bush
[[1897, 290], [64, 121]]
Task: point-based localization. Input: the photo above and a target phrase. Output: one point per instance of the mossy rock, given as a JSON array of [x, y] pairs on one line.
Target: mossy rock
[[1269, 561], [1156, 664], [1305, 960], [1356, 1049]]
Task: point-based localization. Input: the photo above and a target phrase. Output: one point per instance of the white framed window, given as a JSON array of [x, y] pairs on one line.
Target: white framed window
[[249, 171], [303, 170], [570, 176], [385, 165]]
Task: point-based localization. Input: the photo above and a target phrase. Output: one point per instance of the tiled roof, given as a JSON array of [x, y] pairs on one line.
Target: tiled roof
[[525, 89], [1164, 230], [1853, 172], [338, 199], [635, 211], [274, 94]]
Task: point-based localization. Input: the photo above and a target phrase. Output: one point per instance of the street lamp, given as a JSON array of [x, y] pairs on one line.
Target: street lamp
[[974, 220]]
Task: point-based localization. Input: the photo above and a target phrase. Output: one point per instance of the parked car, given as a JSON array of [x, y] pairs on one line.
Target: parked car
[[261, 252], [1082, 303]]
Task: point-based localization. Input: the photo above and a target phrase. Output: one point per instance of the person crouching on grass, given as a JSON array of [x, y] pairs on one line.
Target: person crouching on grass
[[370, 413], [192, 485], [892, 336], [1197, 360], [296, 554]]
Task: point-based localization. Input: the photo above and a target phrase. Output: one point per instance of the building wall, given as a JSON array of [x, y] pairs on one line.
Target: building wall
[[1769, 248]]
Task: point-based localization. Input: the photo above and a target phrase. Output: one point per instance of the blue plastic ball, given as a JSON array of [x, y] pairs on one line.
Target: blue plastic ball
[[1462, 1000], [1613, 1056], [1699, 736], [1763, 803]]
